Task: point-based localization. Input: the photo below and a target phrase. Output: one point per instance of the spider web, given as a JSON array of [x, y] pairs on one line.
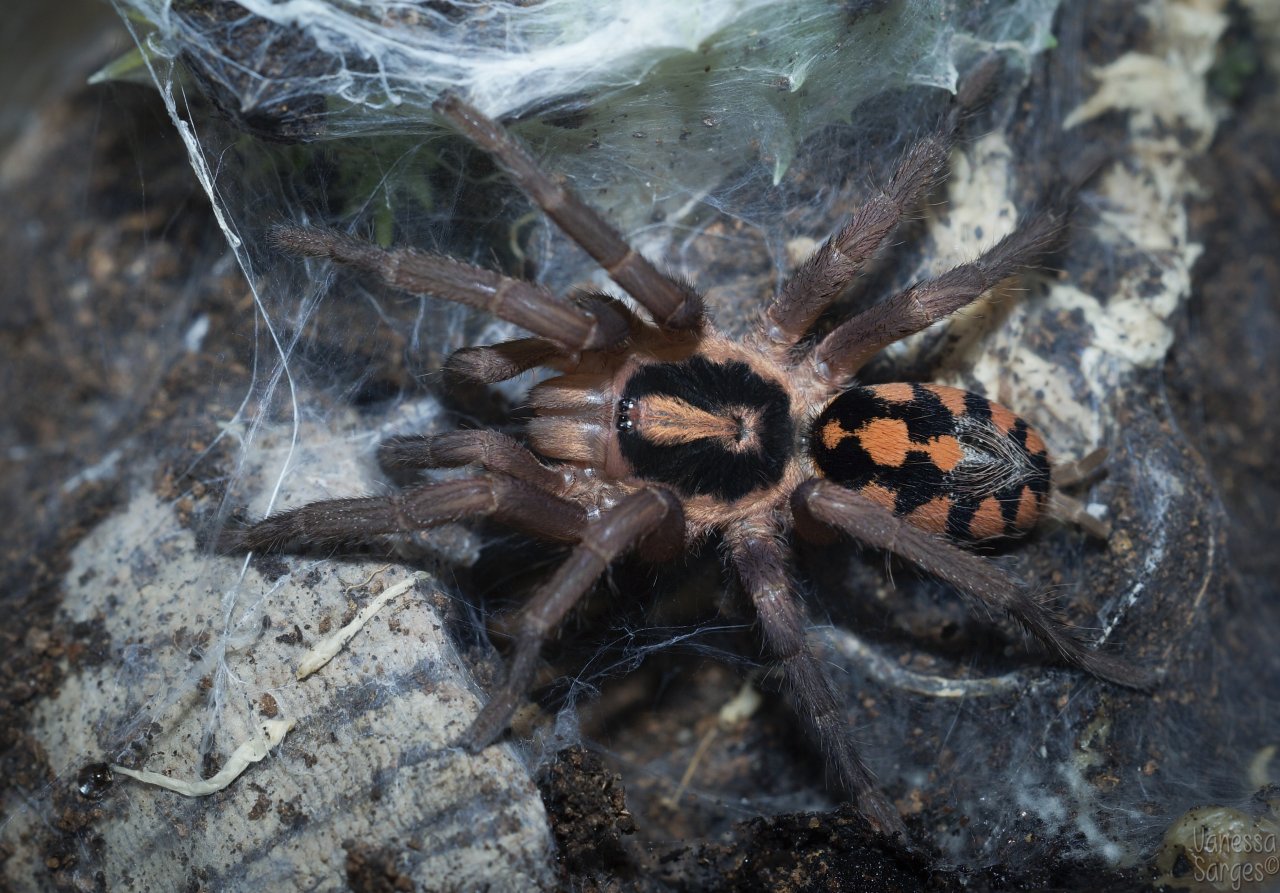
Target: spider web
[[722, 138]]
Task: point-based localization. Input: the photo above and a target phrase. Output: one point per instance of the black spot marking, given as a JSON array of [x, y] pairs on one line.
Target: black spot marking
[[960, 517], [918, 480], [926, 415], [704, 466], [1039, 483], [847, 463], [1010, 499], [977, 407], [913, 483]]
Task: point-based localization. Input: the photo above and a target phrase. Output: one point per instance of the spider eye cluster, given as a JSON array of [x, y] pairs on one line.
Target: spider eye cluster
[[702, 427], [624, 414], [948, 461]]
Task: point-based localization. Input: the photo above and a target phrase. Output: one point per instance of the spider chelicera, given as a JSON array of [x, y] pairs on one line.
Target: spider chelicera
[[659, 432]]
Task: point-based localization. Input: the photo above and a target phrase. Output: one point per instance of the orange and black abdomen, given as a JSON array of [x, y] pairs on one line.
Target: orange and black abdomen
[[946, 460]]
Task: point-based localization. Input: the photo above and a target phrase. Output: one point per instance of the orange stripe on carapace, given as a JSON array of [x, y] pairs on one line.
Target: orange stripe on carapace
[[932, 516], [988, 520], [951, 398], [898, 392], [670, 420], [886, 441]]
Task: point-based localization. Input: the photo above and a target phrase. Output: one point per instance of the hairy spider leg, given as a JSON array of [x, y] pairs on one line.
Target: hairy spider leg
[[673, 303], [1068, 474], [493, 363], [491, 450], [844, 350], [650, 512], [763, 565], [856, 516], [339, 522], [569, 325], [827, 272]]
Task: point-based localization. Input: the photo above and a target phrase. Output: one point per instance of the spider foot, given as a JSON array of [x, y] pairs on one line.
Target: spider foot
[[857, 781], [489, 724], [495, 716], [883, 817], [477, 736], [1116, 670]]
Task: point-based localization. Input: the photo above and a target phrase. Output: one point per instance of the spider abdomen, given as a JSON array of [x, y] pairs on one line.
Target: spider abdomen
[[946, 460]]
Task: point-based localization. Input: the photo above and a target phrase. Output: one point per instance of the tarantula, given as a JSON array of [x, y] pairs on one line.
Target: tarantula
[[659, 431]]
